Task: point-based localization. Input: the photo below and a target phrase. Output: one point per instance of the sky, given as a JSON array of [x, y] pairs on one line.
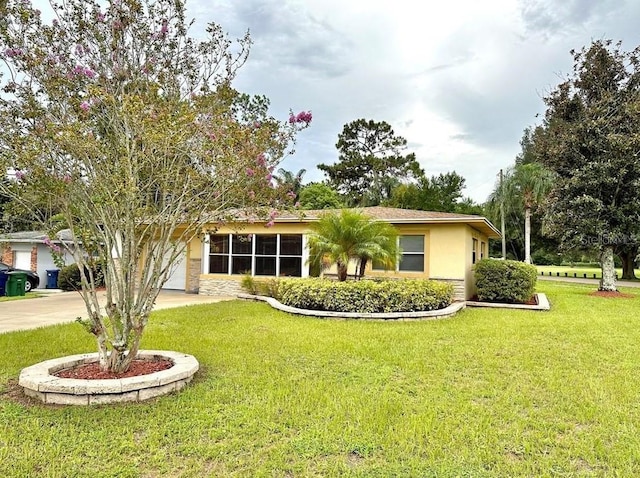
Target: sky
[[460, 79]]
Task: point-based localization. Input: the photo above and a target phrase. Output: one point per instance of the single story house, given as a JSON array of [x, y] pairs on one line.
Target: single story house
[[28, 250], [436, 245]]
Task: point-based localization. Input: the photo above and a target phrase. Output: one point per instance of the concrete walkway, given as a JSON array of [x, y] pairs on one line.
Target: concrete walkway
[[595, 282], [62, 307]]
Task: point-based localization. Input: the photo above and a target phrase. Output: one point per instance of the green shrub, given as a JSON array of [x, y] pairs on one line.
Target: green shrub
[[69, 277], [542, 258], [505, 281], [268, 287], [248, 283], [365, 296]]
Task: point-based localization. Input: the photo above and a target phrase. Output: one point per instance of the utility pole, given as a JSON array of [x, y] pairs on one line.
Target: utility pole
[[504, 239]]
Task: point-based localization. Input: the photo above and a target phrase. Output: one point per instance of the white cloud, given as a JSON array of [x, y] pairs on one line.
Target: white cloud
[[459, 79]]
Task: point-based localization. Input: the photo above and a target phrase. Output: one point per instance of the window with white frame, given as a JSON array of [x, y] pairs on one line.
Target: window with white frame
[[474, 254], [256, 254], [412, 259]]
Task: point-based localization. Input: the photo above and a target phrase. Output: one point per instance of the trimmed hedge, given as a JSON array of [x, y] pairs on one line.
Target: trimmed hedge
[[365, 296], [69, 278], [505, 281]]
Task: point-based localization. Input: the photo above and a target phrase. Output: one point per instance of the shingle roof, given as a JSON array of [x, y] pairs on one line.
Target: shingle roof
[[400, 216], [392, 213], [33, 236]]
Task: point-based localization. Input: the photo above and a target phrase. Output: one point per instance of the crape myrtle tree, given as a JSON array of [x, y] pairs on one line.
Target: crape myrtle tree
[[372, 161], [115, 114], [590, 138]]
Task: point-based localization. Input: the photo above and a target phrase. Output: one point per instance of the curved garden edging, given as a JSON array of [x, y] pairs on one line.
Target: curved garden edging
[[428, 314], [541, 298], [38, 381]]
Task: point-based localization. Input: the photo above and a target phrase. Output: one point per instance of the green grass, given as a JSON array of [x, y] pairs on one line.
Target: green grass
[[30, 295], [579, 271], [487, 393]]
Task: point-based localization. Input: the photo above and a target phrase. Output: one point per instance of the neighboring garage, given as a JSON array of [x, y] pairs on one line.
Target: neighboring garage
[[178, 278], [27, 250]]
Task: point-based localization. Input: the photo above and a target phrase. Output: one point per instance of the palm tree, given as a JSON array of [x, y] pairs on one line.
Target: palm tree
[[338, 238], [525, 187], [290, 180]]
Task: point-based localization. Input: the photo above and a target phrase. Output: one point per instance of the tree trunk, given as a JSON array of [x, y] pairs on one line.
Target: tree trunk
[[342, 271], [363, 266], [628, 264], [608, 281], [527, 235]]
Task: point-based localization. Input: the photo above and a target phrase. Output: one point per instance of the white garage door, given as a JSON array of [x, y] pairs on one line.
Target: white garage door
[[23, 260], [178, 278]]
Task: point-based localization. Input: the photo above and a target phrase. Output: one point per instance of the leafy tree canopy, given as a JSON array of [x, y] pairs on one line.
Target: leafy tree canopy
[[437, 193], [589, 138], [320, 196], [372, 161]]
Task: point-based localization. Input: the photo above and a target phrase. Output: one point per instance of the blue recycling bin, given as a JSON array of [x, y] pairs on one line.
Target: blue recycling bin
[[3, 283], [52, 278]]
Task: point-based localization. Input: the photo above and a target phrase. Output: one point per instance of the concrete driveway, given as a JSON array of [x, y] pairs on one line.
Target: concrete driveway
[[62, 307]]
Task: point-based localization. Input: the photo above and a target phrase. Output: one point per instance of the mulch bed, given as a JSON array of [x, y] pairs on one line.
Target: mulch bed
[[611, 294], [532, 301], [91, 371]]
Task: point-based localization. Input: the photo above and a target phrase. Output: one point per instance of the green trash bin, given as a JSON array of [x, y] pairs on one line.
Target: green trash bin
[[15, 284]]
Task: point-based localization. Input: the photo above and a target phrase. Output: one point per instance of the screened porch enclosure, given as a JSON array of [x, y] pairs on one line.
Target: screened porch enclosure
[[276, 255]]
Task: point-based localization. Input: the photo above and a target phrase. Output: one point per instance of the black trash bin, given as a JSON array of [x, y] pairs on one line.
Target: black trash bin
[[3, 282], [52, 278]]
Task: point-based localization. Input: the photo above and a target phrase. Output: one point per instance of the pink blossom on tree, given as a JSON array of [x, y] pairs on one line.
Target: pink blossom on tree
[[304, 117], [165, 27]]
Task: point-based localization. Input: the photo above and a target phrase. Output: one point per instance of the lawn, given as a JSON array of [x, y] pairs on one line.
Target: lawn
[[487, 393], [579, 271], [30, 295]]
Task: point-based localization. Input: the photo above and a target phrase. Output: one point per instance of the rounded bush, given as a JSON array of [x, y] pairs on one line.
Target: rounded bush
[[505, 281], [365, 296], [69, 277]]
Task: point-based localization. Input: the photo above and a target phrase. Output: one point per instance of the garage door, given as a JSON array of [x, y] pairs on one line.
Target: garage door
[[23, 260], [178, 278]]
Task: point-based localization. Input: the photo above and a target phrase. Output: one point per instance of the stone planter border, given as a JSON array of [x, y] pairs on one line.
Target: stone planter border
[[543, 304], [38, 381], [326, 314]]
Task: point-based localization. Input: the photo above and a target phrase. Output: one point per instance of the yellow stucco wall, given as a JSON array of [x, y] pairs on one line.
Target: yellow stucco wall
[[470, 235]]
